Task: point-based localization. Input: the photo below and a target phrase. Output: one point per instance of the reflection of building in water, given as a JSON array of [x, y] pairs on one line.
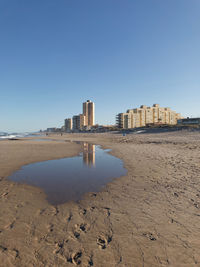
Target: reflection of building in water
[[89, 154]]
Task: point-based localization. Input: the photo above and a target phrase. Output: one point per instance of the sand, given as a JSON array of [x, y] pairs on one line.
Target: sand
[[151, 217]]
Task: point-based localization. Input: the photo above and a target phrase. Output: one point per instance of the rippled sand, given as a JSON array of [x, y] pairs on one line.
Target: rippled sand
[[148, 218]]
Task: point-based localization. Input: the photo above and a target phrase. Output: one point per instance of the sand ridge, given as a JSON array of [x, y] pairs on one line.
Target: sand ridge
[[148, 218]]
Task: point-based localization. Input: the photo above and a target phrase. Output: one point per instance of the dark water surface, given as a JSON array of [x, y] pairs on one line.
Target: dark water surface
[[70, 178]]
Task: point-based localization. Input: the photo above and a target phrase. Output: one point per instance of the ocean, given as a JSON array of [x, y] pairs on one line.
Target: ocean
[[4, 135]]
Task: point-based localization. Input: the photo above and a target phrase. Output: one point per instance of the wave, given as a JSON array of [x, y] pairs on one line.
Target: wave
[[4, 135], [8, 136]]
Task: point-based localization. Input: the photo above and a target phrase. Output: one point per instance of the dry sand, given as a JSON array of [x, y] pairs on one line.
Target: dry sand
[[151, 217]]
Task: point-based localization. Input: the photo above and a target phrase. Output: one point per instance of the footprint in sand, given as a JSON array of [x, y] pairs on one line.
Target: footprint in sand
[[11, 252], [59, 247], [75, 258], [103, 242], [50, 227], [41, 211], [150, 236], [80, 228], [83, 212], [4, 194], [10, 225], [3, 249], [69, 217]]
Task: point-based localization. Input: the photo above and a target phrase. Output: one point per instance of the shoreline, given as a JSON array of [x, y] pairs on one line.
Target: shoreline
[[147, 218], [25, 151]]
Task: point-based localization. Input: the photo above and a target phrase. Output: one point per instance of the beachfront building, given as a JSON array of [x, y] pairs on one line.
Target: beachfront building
[[140, 117], [82, 121], [68, 124], [88, 112], [51, 130], [79, 121], [189, 121]]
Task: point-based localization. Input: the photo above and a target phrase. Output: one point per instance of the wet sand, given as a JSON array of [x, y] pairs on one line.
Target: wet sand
[[151, 217]]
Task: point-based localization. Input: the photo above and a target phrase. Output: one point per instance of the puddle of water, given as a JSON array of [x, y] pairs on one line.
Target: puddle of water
[[70, 178], [41, 139]]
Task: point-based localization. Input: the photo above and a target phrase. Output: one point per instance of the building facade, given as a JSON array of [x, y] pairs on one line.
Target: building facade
[[82, 121], [189, 121], [140, 117], [68, 124], [51, 130], [79, 122], [88, 112]]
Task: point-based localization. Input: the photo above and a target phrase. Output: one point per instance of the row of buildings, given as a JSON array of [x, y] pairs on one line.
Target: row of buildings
[[82, 121], [143, 116], [132, 118]]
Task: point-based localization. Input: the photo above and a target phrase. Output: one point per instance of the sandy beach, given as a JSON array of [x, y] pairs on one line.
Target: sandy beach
[[150, 217]]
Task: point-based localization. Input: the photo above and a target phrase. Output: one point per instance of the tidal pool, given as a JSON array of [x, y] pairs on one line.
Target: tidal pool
[[69, 179]]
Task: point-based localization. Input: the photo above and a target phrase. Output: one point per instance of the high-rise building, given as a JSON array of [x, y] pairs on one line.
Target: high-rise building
[[88, 112], [79, 122], [68, 125], [144, 115]]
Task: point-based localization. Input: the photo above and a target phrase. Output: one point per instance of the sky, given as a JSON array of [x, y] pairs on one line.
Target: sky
[[54, 55]]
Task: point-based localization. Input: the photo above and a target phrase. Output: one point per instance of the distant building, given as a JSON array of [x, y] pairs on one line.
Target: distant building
[[140, 117], [51, 130], [62, 128], [83, 121], [88, 112], [189, 121], [79, 121], [68, 125]]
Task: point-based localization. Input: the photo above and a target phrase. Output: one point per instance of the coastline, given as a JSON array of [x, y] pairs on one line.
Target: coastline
[[147, 218]]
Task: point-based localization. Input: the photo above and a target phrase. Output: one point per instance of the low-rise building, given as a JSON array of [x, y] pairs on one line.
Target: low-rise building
[[140, 117], [189, 121], [51, 130]]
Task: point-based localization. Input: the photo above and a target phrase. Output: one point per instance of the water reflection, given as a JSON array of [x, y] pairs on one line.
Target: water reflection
[[89, 154], [70, 178]]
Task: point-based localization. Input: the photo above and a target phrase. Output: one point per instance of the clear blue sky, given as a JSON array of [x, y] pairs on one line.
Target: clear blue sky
[[54, 55]]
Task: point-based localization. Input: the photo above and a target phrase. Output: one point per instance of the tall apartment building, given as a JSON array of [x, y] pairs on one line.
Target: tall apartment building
[[144, 115], [88, 112], [79, 121], [68, 125]]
